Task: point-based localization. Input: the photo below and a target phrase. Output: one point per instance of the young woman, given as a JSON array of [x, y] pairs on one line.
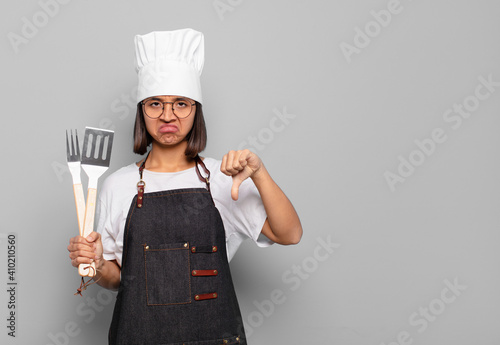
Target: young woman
[[169, 224]]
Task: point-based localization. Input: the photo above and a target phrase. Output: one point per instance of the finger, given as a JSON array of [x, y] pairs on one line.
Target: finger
[[244, 156], [80, 243], [83, 257], [229, 163], [243, 160], [81, 260], [239, 158], [235, 165], [223, 165], [81, 246], [81, 249], [77, 239], [235, 188]]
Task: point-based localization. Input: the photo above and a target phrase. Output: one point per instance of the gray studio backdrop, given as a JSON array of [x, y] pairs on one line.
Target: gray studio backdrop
[[379, 119]]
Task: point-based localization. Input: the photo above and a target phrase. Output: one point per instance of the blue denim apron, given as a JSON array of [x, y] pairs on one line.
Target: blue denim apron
[[176, 286]]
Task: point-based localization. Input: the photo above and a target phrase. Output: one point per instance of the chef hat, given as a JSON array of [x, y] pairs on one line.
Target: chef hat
[[170, 63]]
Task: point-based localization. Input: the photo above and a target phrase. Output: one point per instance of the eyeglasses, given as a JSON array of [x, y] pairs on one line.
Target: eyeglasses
[[153, 108]]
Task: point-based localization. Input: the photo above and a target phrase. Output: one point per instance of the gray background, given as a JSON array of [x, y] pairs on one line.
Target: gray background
[[352, 120]]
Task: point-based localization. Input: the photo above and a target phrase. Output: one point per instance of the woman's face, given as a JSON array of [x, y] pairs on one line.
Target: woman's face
[[168, 129]]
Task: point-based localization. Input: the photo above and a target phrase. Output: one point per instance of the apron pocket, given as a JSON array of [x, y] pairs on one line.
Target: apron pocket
[[235, 340], [167, 273]]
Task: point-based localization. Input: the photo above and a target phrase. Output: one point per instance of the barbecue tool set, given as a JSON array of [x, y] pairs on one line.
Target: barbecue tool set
[[94, 159]]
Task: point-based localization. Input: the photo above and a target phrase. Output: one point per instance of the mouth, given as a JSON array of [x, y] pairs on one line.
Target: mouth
[[168, 128]]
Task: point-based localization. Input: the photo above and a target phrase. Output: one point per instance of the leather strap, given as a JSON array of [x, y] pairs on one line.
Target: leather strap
[[203, 249], [204, 273], [204, 296], [141, 184], [202, 179]]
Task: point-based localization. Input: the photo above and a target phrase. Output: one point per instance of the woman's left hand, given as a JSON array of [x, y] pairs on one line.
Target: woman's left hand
[[240, 165]]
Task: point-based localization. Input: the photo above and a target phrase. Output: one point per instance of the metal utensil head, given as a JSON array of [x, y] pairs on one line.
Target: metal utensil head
[[72, 154], [97, 145]]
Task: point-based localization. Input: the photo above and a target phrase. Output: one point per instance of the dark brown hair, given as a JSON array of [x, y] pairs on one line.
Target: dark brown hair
[[196, 138]]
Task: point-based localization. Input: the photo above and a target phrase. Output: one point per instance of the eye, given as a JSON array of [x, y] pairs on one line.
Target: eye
[[154, 104], [181, 104]]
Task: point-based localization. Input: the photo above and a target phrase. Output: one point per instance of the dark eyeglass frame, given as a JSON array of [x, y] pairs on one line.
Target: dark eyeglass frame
[[163, 107]]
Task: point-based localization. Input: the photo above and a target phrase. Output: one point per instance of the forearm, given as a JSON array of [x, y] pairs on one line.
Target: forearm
[[283, 220], [108, 275]]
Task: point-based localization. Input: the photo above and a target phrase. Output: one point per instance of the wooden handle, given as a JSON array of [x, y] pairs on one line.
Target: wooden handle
[[89, 212], [88, 227], [80, 206], [87, 272]]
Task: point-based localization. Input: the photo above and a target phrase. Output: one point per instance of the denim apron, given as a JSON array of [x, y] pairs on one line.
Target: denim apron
[[175, 286]]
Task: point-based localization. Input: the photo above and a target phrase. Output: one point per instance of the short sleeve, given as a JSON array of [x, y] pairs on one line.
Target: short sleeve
[[110, 223], [243, 218]]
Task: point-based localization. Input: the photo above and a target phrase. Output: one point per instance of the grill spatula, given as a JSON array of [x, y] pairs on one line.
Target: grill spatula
[[96, 154], [73, 158]]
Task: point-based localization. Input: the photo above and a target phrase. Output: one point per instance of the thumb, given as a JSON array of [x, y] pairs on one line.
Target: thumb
[[235, 188], [93, 236]]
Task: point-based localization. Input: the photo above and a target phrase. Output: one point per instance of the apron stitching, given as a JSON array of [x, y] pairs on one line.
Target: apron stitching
[[189, 270], [166, 195], [171, 303], [146, 275]]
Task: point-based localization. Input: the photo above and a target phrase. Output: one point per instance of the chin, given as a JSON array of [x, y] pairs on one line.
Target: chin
[[169, 142]]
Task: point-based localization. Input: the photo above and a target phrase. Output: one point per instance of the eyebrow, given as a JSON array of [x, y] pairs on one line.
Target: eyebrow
[[176, 99]]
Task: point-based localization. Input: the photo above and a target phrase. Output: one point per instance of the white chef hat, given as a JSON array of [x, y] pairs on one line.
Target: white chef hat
[[170, 63]]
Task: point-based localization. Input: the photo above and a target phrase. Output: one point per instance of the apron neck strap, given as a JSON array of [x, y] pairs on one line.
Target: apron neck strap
[[198, 161], [141, 184], [207, 172], [141, 168]]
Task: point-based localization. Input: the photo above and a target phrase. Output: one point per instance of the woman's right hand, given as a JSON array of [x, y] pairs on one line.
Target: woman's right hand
[[86, 250]]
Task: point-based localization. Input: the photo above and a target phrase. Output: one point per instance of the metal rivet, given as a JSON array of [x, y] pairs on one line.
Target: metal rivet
[[194, 272], [147, 247], [215, 271], [237, 338], [140, 198], [214, 295], [185, 245], [193, 249], [225, 341], [196, 297], [214, 248]]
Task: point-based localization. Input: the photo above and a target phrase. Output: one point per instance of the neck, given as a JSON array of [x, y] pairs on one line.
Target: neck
[[168, 159]]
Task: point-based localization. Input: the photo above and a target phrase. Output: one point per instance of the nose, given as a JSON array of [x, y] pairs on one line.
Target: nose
[[168, 112]]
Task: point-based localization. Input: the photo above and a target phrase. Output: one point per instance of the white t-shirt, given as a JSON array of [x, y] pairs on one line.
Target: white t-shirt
[[242, 219]]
